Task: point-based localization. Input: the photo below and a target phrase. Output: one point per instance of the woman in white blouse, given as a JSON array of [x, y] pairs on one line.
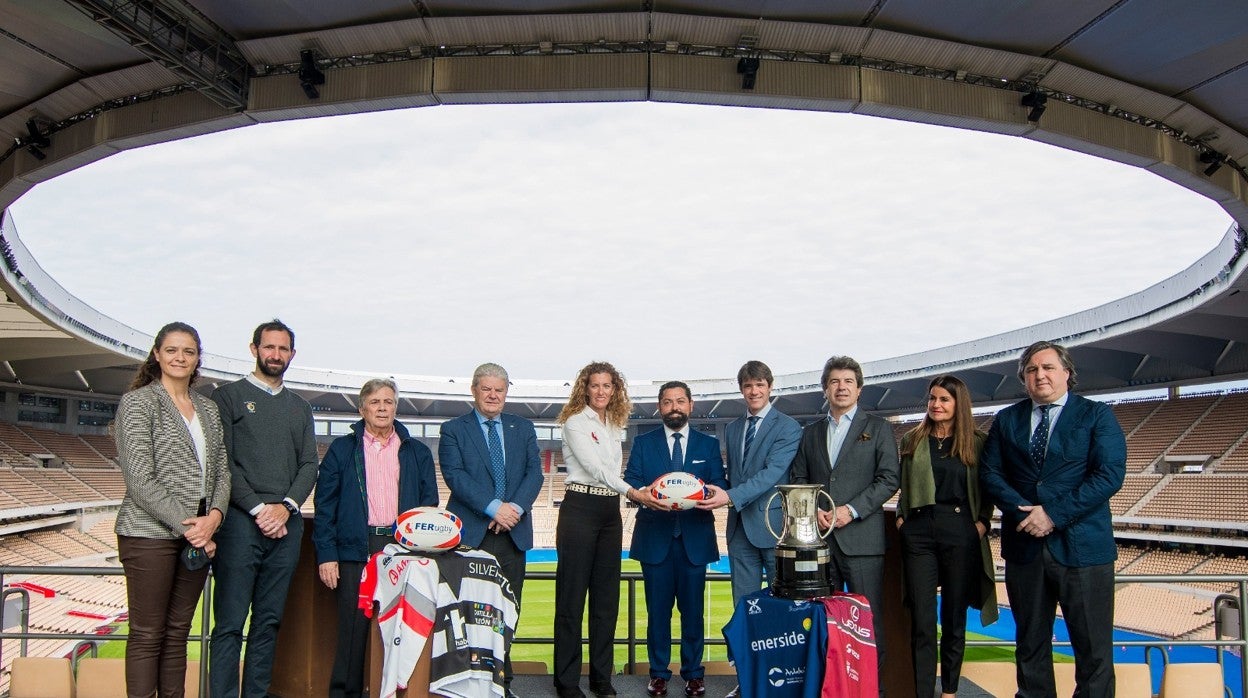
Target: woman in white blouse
[[172, 456], [589, 534]]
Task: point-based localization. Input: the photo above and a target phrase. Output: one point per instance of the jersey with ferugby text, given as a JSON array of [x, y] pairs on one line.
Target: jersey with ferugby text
[[777, 645], [459, 601], [851, 670]]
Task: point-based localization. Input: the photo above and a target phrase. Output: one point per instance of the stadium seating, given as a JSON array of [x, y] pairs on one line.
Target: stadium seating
[[68, 447], [101, 678], [41, 677], [1162, 427], [1217, 431], [1203, 496], [1133, 488], [1198, 680]]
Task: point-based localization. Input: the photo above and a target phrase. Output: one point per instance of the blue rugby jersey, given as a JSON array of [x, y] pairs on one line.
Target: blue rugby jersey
[[778, 646]]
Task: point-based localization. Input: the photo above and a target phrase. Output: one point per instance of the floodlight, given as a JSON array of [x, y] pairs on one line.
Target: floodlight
[[748, 68], [309, 75], [1035, 100], [1214, 159]]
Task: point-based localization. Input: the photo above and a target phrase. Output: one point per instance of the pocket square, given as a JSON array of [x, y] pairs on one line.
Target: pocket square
[[695, 462]]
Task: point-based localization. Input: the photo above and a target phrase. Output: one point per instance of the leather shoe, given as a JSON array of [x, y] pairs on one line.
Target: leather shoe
[[604, 691], [657, 686], [695, 687], [735, 692]]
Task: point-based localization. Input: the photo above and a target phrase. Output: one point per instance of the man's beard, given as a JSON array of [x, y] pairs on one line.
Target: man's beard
[[675, 420], [271, 371]]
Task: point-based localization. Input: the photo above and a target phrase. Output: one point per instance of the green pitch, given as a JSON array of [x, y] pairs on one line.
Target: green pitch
[[538, 615]]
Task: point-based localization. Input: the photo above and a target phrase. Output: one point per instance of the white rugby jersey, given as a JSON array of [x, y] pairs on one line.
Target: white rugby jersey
[[460, 600]]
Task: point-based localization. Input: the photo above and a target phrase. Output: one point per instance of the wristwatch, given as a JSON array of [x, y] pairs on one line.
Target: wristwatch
[[294, 511]]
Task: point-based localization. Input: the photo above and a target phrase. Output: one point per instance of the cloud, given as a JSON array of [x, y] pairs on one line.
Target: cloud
[[673, 240]]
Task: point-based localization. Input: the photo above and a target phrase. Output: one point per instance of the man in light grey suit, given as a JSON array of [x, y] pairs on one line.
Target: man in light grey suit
[[854, 456], [761, 445]]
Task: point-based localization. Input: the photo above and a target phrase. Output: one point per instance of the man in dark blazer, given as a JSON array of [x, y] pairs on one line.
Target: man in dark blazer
[[854, 456], [491, 464], [1050, 464], [368, 478], [674, 547]]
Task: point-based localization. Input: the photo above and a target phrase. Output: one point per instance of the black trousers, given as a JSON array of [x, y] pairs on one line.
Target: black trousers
[[511, 561], [346, 680], [1086, 595], [940, 547], [588, 538]]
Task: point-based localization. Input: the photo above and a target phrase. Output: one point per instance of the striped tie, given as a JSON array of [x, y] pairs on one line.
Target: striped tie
[[750, 432]]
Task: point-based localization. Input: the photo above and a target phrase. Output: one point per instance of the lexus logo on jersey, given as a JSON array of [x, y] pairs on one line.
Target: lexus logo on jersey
[[853, 612]]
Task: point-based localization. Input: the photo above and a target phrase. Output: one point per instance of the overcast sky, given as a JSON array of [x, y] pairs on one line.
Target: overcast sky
[[676, 241]]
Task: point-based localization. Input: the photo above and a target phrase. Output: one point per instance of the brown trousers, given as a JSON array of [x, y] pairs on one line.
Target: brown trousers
[[162, 595]]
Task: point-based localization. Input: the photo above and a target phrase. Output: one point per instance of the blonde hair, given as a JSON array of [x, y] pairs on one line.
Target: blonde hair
[[618, 408]]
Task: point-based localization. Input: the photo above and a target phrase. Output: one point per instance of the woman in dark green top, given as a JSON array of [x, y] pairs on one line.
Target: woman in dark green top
[[943, 523]]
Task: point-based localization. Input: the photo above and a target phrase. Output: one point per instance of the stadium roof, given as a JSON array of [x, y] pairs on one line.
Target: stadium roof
[[1150, 83]]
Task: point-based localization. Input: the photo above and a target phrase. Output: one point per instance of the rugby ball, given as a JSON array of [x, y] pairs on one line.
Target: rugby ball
[[679, 490], [427, 530]]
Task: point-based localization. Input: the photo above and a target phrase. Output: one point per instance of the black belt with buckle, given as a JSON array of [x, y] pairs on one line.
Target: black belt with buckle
[[386, 531]]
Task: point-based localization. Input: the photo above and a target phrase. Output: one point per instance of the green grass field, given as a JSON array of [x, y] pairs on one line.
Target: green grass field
[[537, 620]]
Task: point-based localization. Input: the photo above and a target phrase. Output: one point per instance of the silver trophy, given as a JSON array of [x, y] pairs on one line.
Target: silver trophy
[[802, 554]]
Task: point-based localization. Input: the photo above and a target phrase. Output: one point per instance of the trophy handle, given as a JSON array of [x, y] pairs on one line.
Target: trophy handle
[[831, 508], [767, 517]]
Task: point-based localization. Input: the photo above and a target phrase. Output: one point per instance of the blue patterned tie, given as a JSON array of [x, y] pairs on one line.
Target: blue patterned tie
[[497, 464], [750, 432], [1040, 439]]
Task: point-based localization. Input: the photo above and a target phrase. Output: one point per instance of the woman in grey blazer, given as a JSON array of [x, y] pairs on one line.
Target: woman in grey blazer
[[169, 444]]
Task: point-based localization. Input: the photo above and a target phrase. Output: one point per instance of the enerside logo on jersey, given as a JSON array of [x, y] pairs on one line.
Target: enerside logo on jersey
[[789, 639], [755, 609]]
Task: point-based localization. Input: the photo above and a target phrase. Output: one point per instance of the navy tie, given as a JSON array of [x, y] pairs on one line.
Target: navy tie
[[497, 465], [678, 463], [1040, 439], [750, 432]]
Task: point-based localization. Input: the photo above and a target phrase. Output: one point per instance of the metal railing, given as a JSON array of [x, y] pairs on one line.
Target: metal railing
[[1226, 608]]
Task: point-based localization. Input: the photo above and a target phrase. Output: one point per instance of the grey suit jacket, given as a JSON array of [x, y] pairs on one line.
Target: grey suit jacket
[[752, 483], [866, 475], [159, 464]]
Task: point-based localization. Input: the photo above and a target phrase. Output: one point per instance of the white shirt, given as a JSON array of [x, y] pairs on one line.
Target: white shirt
[[251, 378], [201, 445], [592, 452]]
